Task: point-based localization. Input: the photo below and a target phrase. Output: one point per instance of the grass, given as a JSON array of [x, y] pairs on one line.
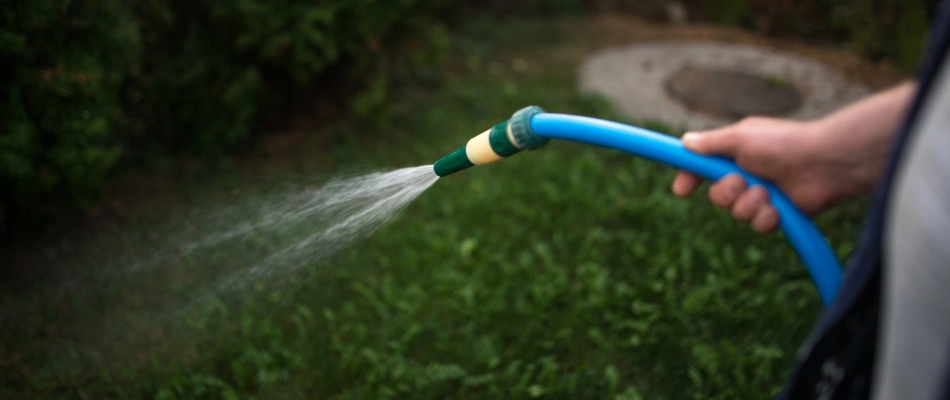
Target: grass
[[564, 273]]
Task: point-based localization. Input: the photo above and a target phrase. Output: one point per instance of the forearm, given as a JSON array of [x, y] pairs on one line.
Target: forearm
[[872, 117], [855, 140]]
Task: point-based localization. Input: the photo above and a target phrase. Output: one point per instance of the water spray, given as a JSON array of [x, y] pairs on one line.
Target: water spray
[[531, 128]]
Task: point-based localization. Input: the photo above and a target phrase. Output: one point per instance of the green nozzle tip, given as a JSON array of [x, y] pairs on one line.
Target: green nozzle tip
[[452, 163]]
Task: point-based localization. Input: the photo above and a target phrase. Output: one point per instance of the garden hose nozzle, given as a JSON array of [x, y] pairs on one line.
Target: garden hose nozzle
[[500, 141]]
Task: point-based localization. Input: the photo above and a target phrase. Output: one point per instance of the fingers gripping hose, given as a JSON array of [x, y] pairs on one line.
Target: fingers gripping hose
[[531, 128]]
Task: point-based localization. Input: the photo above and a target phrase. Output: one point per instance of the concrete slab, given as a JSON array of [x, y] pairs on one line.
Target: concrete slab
[[633, 79]]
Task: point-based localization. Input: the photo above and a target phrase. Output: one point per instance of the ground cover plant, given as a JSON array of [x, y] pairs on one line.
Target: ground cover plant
[[563, 273]]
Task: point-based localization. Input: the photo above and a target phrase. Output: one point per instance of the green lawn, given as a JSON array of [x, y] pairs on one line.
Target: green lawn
[[564, 273]]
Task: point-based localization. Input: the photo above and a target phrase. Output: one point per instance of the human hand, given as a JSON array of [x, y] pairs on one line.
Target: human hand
[[781, 151], [815, 163]]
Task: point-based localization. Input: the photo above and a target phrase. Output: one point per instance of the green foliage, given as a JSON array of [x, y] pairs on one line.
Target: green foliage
[[730, 12], [62, 64], [892, 29], [84, 82], [896, 29], [525, 7], [212, 65]]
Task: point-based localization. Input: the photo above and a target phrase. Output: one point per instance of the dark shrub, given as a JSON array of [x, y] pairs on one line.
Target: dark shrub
[[62, 65], [84, 82]]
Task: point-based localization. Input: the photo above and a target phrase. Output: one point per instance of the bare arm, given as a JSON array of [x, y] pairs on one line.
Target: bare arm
[[816, 163]]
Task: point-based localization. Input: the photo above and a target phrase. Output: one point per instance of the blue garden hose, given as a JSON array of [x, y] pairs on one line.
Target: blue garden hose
[[531, 128]]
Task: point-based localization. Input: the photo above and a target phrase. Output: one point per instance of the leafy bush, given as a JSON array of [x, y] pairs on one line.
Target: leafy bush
[[79, 91], [62, 65], [211, 63], [526, 7], [893, 29]]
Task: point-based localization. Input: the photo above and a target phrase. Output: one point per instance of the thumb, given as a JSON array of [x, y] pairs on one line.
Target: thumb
[[723, 141]]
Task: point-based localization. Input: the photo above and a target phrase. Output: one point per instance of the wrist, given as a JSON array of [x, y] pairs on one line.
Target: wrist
[[822, 165], [847, 164]]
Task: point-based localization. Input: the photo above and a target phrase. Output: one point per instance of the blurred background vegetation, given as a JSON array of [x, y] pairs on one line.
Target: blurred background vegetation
[[95, 88]]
